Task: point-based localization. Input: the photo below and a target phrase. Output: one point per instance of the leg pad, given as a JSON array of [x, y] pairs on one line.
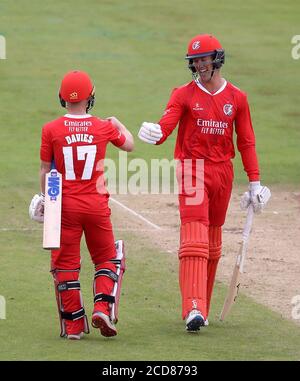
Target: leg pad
[[71, 311], [107, 283], [193, 255], [215, 248]]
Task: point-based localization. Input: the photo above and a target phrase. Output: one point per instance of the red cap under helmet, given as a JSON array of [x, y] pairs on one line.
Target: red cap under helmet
[[76, 86]]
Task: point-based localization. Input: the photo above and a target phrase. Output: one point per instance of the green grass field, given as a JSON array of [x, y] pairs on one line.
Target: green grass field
[[134, 51], [150, 327]]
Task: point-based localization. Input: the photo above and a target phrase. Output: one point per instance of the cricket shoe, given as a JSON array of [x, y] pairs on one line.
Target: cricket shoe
[[103, 322], [76, 336], [194, 321]]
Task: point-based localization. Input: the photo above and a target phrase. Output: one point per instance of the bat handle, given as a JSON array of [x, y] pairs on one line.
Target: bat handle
[[248, 223], [246, 234]]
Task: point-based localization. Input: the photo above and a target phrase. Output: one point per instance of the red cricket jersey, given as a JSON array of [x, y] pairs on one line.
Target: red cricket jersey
[[77, 143], [206, 124]]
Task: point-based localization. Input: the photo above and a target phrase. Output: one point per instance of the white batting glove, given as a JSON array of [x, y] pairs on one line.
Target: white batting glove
[[36, 208], [150, 133], [257, 195]]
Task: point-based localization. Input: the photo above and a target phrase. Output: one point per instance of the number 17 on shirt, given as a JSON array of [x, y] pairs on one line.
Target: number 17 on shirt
[[52, 210]]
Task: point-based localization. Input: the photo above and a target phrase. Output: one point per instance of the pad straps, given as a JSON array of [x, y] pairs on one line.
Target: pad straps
[[104, 298], [67, 286], [101, 297], [107, 272]]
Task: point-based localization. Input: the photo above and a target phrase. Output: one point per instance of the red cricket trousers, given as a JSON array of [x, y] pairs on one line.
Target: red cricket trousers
[[98, 235], [213, 185]]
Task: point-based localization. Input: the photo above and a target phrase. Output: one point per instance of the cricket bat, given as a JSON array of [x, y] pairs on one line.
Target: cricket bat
[[52, 210], [238, 267]]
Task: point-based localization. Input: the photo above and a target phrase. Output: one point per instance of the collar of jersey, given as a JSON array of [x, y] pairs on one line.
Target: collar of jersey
[[84, 116], [206, 91]]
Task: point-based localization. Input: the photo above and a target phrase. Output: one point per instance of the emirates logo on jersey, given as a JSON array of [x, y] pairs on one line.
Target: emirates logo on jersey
[[74, 95], [196, 45], [228, 109]]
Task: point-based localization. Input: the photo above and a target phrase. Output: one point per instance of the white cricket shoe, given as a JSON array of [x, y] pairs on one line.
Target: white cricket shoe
[[75, 336], [206, 323], [194, 321], [103, 322]]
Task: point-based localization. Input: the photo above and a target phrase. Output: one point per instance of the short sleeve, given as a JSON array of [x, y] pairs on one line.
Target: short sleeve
[[46, 149], [115, 136]]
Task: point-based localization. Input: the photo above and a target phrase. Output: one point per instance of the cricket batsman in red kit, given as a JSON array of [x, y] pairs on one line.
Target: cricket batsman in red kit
[[77, 142], [208, 110]]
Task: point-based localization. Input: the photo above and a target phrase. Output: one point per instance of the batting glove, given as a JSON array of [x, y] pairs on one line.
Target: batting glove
[[150, 133], [36, 208], [257, 195]]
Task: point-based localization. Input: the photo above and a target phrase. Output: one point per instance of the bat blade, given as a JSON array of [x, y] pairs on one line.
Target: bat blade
[[238, 267], [233, 288], [52, 211]]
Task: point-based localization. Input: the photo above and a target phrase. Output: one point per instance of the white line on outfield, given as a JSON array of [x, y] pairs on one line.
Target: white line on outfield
[[19, 229], [136, 229], [120, 229], [40, 230], [136, 214]]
